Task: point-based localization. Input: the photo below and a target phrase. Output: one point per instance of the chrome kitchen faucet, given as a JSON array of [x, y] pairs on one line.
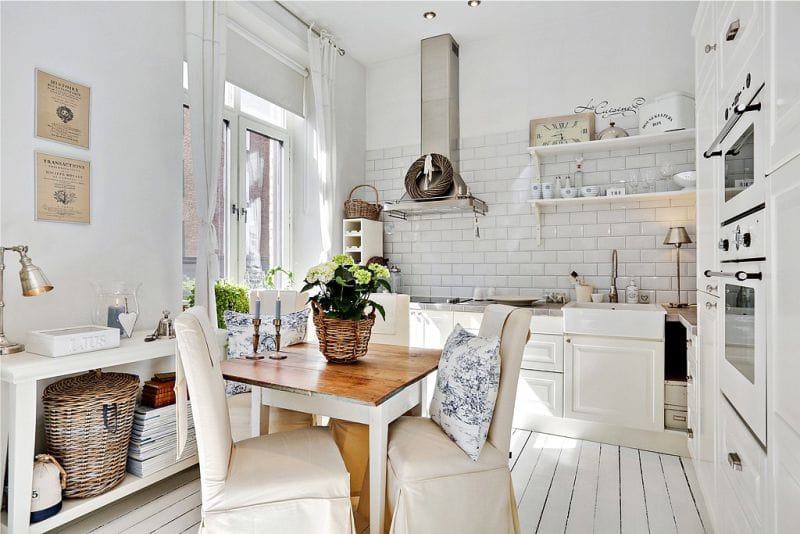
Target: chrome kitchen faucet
[[612, 293]]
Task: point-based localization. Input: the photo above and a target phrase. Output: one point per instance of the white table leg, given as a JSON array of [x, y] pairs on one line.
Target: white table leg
[[255, 412], [5, 399], [423, 397], [22, 434], [378, 440]]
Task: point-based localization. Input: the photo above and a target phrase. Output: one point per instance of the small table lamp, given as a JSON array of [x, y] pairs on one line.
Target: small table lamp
[[677, 236], [33, 282]]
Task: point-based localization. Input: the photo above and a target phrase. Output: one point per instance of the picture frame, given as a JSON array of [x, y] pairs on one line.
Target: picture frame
[[63, 189], [62, 110]]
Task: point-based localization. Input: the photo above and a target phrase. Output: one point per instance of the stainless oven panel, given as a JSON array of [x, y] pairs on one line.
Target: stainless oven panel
[[744, 239]]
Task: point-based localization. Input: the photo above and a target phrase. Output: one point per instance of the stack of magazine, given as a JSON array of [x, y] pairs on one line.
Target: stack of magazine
[[154, 441]]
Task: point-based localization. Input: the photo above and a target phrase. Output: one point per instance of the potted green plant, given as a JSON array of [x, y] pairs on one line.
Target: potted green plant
[[340, 299], [229, 296]]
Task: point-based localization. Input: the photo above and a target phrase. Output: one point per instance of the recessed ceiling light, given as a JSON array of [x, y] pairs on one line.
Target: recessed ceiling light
[[474, 3], [429, 15]]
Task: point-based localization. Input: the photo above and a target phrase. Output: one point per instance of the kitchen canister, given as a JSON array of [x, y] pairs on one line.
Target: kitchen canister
[[49, 478], [668, 112], [583, 292]]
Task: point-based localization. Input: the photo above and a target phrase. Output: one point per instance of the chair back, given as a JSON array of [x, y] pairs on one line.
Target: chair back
[[199, 354], [291, 301], [512, 325], [394, 329]]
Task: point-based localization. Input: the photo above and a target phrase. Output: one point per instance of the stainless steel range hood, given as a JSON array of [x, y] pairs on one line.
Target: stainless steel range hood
[[440, 129]]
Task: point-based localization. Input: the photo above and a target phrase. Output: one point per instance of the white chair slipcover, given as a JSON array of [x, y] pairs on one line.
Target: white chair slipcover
[[432, 485], [289, 482]]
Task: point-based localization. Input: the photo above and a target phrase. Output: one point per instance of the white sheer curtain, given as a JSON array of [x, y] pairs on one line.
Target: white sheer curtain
[[205, 55], [322, 60]]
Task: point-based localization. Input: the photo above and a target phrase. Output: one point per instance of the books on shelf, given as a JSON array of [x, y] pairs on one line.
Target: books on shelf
[[158, 392], [153, 444]]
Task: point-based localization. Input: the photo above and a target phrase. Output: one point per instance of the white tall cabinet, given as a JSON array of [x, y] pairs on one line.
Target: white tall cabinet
[[757, 489]]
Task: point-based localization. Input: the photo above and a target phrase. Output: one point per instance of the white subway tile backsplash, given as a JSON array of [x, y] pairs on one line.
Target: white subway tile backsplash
[[440, 256]]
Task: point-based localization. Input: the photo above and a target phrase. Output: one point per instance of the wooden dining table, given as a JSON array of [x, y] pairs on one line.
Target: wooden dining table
[[375, 390]]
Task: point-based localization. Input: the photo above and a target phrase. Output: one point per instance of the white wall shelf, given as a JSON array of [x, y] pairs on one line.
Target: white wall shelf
[[633, 141], [362, 239], [538, 203]]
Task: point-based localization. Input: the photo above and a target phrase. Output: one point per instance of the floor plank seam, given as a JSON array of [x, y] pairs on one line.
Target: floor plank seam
[[691, 492], [669, 496], [619, 472], [574, 480], [547, 496], [644, 493], [597, 487]]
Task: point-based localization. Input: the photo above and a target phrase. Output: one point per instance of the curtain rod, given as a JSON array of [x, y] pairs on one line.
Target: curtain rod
[[307, 25]]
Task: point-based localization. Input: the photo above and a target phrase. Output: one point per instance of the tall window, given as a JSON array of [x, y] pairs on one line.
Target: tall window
[[251, 216]]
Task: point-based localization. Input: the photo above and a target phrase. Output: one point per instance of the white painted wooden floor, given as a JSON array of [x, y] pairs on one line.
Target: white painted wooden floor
[[562, 485]]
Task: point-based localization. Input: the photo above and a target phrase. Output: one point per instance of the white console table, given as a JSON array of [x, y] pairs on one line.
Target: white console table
[[20, 374]]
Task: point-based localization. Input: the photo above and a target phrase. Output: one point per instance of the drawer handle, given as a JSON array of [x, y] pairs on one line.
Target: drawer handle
[[681, 418], [734, 461], [689, 379], [711, 289], [690, 433], [688, 342], [711, 305], [733, 29], [568, 340], [709, 48]]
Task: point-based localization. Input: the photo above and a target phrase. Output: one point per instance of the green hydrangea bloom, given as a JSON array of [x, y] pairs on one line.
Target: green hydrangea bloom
[[342, 259], [379, 270]]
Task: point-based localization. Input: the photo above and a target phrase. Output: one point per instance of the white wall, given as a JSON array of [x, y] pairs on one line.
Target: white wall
[[629, 50], [131, 55]]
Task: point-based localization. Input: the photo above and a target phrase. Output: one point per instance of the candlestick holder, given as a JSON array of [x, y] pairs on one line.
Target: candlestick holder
[[256, 337], [277, 354]]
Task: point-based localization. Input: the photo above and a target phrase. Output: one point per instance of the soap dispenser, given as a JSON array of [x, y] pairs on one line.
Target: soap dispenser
[[632, 293]]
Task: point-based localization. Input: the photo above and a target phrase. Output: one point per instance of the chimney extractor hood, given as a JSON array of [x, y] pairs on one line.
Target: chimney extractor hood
[[439, 130]]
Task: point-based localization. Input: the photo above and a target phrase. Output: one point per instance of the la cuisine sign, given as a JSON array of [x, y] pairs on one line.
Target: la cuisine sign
[[604, 110]]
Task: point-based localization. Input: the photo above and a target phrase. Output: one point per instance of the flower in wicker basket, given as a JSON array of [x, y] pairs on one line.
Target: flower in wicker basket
[[340, 305]]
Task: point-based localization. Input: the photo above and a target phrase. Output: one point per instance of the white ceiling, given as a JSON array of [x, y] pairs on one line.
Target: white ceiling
[[373, 31]]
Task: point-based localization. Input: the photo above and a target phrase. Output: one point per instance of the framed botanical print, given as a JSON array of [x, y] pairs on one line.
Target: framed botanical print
[[62, 189], [62, 110]]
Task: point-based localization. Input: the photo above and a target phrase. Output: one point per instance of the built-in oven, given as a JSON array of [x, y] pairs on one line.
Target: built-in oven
[[743, 362], [740, 144]]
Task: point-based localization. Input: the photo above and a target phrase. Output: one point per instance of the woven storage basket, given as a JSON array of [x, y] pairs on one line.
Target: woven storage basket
[[88, 421], [355, 208], [342, 340]]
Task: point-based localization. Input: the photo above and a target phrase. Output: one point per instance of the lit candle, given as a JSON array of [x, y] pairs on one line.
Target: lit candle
[[258, 309], [114, 312], [278, 306]]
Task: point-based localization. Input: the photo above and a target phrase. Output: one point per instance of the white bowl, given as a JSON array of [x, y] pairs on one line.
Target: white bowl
[[686, 179], [590, 190], [569, 192]]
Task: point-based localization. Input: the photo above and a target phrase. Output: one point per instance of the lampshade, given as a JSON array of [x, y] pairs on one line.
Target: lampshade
[[677, 235], [33, 280]]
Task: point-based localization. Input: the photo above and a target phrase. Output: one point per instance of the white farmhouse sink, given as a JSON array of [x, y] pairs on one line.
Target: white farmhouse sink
[[641, 321]]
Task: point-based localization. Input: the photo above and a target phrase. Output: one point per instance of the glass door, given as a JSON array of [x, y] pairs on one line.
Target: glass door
[[740, 329]]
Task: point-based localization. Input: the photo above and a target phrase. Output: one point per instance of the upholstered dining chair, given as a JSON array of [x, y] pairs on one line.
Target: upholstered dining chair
[[432, 485], [288, 482]]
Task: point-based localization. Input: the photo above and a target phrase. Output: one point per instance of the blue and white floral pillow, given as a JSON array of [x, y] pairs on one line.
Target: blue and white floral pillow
[[240, 337], [466, 389]]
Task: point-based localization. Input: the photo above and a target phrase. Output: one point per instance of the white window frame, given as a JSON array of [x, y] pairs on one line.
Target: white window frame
[[238, 122]]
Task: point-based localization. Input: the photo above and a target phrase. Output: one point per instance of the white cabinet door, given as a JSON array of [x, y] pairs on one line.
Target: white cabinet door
[[416, 329], [539, 393], [471, 321], [614, 380], [783, 82], [706, 48], [438, 324], [709, 174], [786, 476], [544, 352]]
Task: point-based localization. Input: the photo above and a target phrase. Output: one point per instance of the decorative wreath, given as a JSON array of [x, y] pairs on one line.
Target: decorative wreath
[[441, 179], [65, 114]]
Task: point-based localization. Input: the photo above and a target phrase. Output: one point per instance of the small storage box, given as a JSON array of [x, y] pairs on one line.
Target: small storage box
[[88, 420], [72, 340], [672, 111]]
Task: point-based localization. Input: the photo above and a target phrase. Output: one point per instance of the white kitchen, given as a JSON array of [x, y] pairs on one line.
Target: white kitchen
[[400, 266]]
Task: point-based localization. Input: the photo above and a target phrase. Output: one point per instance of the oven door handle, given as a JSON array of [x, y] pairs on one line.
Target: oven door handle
[[738, 111], [739, 275]]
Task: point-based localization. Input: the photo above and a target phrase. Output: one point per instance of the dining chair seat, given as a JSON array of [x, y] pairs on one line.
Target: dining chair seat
[[293, 482]]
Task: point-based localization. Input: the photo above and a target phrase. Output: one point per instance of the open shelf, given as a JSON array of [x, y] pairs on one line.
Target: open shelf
[[625, 198], [621, 143], [73, 509]]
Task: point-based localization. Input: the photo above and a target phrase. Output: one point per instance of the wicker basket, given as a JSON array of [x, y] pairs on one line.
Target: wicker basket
[[442, 178], [342, 340], [88, 421], [355, 208]]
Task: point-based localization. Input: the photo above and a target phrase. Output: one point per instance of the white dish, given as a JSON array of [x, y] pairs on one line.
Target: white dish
[[686, 179]]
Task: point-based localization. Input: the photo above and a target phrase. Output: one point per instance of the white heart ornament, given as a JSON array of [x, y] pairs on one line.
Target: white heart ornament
[[127, 321]]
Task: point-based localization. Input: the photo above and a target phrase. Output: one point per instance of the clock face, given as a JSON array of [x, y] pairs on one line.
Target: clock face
[[562, 130]]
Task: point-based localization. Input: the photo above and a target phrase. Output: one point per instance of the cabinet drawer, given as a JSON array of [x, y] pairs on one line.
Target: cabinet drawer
[[675, 419], [547, 324], [744, 463], [734, 54], [540, 393], [544, 352], [675, 394]]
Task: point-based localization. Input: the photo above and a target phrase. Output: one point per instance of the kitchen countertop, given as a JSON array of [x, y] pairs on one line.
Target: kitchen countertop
[[539, 308], [686, 316]]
